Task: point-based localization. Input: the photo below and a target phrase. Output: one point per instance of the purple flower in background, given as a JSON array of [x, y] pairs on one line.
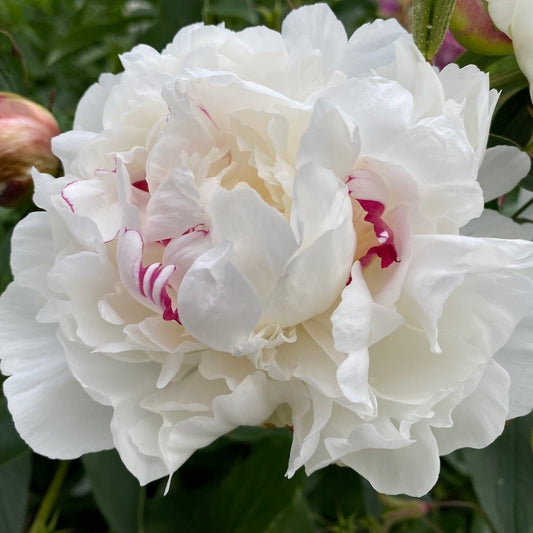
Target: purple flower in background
[[388, 7], [449, 51]]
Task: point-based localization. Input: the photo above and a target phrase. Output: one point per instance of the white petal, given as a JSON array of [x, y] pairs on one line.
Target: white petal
[[322, 219], [251, 403], [492, 224], [501, 12], [444, 166], [493, 275], [32, 251], [411, 470], [95, 199], [68, 145], [381, 108], [183, 251], [372, 46], [517, 359], [85, 278], [110, 381], [52, 412], [91, 105], [437, 268], [217, 304], [331, 141], [174, 207], [501, 170], [262, 239], [480, 417], [352, 322], [148, 285], [319, 29], [522, 37]]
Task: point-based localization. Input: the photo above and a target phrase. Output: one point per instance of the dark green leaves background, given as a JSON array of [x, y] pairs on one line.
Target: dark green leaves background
[[51, 51]]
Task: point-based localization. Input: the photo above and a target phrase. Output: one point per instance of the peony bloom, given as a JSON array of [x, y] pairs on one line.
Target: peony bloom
[[515, 18], [258, 228], [25, 132]]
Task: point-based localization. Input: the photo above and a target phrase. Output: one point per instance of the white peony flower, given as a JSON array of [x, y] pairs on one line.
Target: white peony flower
[[515, 18], [261, 228]]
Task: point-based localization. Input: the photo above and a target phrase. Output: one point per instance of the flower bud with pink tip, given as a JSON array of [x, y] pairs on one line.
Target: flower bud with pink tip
[[473, 27], [25, 132]]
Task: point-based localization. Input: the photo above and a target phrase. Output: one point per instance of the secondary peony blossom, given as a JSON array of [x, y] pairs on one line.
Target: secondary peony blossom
[[515, 18], [259, 228]]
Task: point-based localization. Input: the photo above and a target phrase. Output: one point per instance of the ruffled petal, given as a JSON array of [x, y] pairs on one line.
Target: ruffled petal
[[52, 412], [515, 357], [480, 417], [218, 305], [391, 471], [501, 170], [352, 325], [110, 381], [262, 239], [316, 28], [493, 224]]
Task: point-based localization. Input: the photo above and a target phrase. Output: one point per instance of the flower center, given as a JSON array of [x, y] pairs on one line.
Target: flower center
[[375, 238]]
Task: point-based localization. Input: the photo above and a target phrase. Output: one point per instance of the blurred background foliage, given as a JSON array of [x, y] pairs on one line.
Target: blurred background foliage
[[51, 51]]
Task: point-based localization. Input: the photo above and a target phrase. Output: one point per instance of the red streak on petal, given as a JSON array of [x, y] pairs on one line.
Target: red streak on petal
[[386, 249], [141, 185], [206, 113], [201, 228], [152, 284], [68, 202]]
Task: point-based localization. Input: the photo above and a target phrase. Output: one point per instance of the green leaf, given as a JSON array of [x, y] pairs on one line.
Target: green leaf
[[89, 36], [13, 76], [15, 473], [255, 433], [502, 475], [243, 490], [336, 490], [173, 15], [5, 251], [505, 75], [527, 182], [255, 491], [296, 518], [431, 19], [117, 493], [223, 9], [513, 119]]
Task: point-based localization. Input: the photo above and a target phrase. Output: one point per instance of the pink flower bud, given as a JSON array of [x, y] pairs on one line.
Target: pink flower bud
[[25, 132], [472, 26]]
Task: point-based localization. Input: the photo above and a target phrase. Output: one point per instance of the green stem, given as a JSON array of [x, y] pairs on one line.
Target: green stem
[[50, 498], [140, 510], [522, 209]]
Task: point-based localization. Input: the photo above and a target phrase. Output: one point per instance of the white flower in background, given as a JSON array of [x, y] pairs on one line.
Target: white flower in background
[[258, 228], [515, 18]]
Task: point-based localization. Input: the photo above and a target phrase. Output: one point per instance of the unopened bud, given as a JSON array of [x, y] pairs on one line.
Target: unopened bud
[[472, 26], [25, 132]]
